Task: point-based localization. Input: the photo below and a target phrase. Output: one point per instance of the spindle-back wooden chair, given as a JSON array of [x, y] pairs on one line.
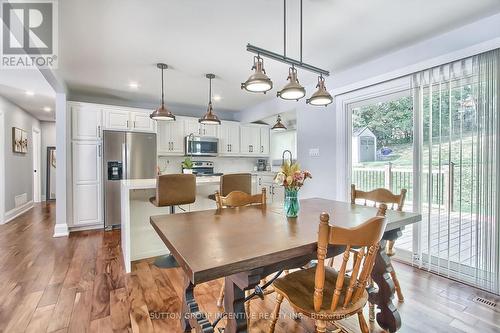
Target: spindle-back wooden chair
[[237, 199], [327, 295], [378, 196]]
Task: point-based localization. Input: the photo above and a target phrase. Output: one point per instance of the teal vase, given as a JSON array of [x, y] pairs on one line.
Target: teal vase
[[291, 205]]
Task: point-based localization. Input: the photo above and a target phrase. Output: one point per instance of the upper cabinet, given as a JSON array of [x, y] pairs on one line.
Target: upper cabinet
[[194, 127], [229, 138], [254, 140], [123, 119], [171, 137], [86, 121]]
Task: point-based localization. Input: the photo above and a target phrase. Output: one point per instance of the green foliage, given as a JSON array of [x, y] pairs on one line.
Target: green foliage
[[187, 163]]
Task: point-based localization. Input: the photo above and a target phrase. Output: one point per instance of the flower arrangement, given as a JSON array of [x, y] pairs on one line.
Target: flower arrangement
[[291, 177]]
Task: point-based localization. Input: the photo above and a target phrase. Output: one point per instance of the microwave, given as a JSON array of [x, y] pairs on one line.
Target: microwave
[[201, 146]]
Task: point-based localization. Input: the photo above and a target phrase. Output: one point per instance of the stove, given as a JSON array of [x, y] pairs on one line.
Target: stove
[[204, 169]]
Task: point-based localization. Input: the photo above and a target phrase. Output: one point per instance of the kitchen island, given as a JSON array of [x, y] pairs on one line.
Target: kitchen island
[[138, 238]]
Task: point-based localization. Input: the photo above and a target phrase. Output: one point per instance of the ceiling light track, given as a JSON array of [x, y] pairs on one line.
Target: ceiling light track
[[284, 59]]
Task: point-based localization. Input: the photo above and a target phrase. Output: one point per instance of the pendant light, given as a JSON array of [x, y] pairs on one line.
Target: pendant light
[[278, 127], [162, 113], [293, 89], [209, 118], [258, 81], [321, 97]]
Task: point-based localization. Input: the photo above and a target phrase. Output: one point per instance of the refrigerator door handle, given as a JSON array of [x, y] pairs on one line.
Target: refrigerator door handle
[[125, 160]]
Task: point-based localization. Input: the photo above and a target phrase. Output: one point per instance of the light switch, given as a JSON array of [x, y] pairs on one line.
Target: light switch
[[314, 152]]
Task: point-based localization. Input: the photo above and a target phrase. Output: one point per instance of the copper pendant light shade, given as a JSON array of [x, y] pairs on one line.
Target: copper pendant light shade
[[258, 82], [209, 118], [278, 127], [162, 113], [321, 97], [293, 89]]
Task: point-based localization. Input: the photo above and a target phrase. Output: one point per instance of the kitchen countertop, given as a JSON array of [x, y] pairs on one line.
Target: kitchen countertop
[[140, 184]]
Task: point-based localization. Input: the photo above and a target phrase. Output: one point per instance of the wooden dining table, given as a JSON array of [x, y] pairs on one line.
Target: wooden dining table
[[246, 244]]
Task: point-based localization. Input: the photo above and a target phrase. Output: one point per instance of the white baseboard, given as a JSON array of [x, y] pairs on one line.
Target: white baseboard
[[61, 230], [150, 254], [13, 213], [99, 226]]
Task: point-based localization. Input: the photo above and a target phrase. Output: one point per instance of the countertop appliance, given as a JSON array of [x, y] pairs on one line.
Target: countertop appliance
[[261, 165], [204, 168], [201, 146], [126, 155]]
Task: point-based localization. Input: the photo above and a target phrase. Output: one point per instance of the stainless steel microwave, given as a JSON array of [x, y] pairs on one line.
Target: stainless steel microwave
[[201, 146]]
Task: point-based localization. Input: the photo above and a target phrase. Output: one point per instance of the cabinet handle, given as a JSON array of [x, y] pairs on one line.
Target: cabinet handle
[[170, 145], [99, 149], [230, 147], [99, 131], [134, 123], [127, 124]]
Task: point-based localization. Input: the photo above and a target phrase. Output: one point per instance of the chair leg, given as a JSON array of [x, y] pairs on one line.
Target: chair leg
[[362, 323], [320, 326], [371, 307], [389, 250], [276, 312], [220, 300], [397, 286]]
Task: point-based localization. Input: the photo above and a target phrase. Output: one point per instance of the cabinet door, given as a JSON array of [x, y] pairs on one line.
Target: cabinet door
[[86, 122], [176, 129], [116, 119], [142, 122], [191, 125], [250, 140], [87, 184], [163, 137], [209, 130], [234, 138], [264, 140]]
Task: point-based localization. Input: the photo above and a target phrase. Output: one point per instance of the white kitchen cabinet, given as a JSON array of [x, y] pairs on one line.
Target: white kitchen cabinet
[[123, 119], [193, 126], [87, 183], [140, 121], [116, 119], [250, 140], [264, 140], [229, 138], [86, 120], [171, 137]]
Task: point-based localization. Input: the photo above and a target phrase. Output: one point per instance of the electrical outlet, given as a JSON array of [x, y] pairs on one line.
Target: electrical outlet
[[314, 152]]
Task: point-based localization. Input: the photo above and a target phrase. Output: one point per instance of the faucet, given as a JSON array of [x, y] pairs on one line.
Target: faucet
[[283, 156]]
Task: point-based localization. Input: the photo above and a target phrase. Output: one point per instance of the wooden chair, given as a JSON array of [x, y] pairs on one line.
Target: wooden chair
[[237, 199], [327, 295], [382, 195], [234, 182]]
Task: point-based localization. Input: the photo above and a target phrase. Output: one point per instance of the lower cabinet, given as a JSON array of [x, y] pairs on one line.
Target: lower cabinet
[[87, 183]]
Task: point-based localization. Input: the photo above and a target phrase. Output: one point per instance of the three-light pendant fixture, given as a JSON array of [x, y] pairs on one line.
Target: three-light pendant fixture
[[259, 82], [164, 114]]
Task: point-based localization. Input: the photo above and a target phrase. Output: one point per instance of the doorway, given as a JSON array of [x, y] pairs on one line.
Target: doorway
[[37, 180], [50, 180]]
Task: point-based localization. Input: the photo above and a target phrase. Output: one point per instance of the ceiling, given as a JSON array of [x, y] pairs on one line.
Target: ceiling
[[105, 45], [14, 83]]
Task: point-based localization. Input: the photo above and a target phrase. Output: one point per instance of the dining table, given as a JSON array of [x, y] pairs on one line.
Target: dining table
[[246, 244]]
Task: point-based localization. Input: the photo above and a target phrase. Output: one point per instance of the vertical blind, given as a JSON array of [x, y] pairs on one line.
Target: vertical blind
[[457, 122]]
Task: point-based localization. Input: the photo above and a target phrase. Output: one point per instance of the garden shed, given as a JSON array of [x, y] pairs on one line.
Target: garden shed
[[364, 145]]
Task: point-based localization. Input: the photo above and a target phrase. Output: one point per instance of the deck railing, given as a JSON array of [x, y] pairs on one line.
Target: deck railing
[[397, 178]]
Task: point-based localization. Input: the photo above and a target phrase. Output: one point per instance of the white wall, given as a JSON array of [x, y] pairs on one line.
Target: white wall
[[48, 140], [2, 166], [18, 167]]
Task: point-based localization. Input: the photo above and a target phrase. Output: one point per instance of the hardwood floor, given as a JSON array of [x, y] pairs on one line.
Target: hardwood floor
[[77, 284]]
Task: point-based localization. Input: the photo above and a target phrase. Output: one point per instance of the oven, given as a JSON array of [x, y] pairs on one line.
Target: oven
[[201, 146]]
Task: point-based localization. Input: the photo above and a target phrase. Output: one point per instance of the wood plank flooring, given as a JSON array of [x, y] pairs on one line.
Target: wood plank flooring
[[78, 284]]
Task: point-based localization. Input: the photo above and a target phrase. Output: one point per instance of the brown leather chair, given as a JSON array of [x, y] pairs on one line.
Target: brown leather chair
[[234, 182], [173, 190]]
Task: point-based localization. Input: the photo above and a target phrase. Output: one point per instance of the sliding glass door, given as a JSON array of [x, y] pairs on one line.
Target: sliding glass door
[[439, 140]]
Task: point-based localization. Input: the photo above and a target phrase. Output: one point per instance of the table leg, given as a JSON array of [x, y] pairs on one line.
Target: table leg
[[388, 316], [191, 316], [234, 301]]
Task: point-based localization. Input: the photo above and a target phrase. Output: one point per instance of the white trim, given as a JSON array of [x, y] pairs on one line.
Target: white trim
[[13, 213], [61, 230], [37, 178], [2, 166], [86, 227]]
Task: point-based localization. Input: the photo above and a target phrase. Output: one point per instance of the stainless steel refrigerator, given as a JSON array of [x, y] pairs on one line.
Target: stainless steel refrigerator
[[126, 155]]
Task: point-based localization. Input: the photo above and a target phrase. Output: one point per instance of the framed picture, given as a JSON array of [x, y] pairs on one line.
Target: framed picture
[[19, 140]]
